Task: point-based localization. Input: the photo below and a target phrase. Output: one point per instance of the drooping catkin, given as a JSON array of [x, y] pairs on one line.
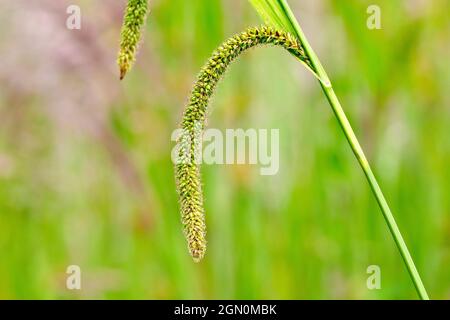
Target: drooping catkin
[[187, 170], [133, 22]]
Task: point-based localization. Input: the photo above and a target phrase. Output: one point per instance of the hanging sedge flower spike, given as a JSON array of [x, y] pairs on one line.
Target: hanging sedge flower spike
[[133, 22], [187, 169]]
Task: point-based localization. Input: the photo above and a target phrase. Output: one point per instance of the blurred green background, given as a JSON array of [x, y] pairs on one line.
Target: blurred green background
[[86, 176]]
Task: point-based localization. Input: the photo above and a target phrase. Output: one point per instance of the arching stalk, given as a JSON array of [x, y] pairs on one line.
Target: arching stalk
[[187, 168]]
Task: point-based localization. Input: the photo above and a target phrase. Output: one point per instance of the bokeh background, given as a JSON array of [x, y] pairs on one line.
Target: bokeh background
[[86, 176]]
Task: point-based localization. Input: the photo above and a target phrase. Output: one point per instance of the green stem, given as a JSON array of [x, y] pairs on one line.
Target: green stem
[[359, 153]]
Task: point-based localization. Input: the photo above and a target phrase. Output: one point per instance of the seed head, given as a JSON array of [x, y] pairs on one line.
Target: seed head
[[133, 22], [187, 169]]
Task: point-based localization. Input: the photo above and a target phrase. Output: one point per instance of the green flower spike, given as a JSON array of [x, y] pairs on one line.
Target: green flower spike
[[133, 22], [187, 169]]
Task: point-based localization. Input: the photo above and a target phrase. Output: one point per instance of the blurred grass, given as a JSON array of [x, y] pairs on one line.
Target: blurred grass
[[308, 232]]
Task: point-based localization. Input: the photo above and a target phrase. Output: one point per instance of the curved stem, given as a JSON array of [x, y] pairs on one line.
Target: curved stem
[[187, 169], [357, 150]]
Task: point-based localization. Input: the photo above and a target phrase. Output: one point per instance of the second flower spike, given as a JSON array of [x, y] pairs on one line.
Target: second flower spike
[[133, 22]]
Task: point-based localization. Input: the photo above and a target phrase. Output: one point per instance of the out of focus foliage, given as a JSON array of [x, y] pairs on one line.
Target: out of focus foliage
[[86, 176]]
